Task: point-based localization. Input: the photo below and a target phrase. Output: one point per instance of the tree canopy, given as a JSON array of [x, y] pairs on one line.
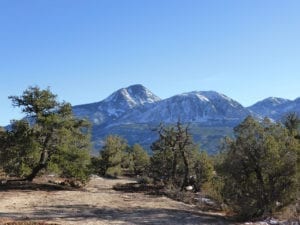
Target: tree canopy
[[260, 168]]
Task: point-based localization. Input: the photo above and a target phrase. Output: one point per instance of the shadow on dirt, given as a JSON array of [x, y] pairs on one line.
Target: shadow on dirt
[[140, 188], [135, 216], [29, 186]]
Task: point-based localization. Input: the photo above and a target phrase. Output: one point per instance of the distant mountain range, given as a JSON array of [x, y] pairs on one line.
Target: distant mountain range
[[275, 108], [134, 112]]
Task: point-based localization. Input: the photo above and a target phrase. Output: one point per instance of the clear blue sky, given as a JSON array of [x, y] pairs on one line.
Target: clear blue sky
[[86, 49]]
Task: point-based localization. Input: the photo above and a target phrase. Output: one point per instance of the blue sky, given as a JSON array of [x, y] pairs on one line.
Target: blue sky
[[86, 49]]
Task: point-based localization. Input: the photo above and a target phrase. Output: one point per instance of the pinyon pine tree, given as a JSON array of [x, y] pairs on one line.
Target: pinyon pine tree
[[49, 138]]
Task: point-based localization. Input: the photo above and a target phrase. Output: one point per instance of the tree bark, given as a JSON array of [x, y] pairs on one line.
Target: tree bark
[[43, 158], [263, 195], [174, 165], [186, 171], [42, 165], [35, 171]]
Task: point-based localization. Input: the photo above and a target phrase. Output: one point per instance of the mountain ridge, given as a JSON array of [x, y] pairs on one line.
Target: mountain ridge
[[275, 108], [134, 111], [196, 106]]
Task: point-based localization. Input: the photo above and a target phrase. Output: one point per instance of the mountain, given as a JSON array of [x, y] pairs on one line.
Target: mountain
[[116, 105], [206, 107], [275, 108], [134, 113]]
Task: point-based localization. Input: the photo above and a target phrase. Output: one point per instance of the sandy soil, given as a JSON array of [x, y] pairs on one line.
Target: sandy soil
[[99, 204]]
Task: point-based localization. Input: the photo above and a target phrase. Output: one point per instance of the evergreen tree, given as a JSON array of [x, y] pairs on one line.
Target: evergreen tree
[[161, 165], [259, 168], [112, 154], [141, 159], [127, 161], [204, 170], [292, 123], [52, 139], [135, 160], [19, 149], [172, 156]]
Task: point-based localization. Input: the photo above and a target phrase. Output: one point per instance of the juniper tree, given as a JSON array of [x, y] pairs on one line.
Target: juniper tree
[[203, 169], [172, 155], [112, 154], [292, 123], [141, 159], [260, 168]]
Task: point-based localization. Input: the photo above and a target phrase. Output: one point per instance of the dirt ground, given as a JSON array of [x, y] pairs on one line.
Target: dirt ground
[[98, 204]]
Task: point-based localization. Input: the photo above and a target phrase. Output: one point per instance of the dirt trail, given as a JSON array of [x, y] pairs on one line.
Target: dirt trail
[[99, 204]]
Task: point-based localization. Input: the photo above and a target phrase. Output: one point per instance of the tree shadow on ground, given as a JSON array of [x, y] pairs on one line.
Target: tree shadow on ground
[[134, 216], [31, 186], [134, 187], [26, 223]]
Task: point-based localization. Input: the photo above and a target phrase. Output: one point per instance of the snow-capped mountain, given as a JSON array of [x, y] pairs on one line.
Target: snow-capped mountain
[[275, 108], [134, 111], [116, 105], [207, 107]]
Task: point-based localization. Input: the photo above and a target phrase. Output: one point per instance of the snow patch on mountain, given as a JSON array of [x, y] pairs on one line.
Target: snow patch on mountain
[[197, 106], [273, 107]]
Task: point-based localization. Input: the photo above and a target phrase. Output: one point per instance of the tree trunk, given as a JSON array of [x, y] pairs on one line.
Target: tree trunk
[[42, 165], [263, 198], [174, 166], [186, 171], [35, 171]]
